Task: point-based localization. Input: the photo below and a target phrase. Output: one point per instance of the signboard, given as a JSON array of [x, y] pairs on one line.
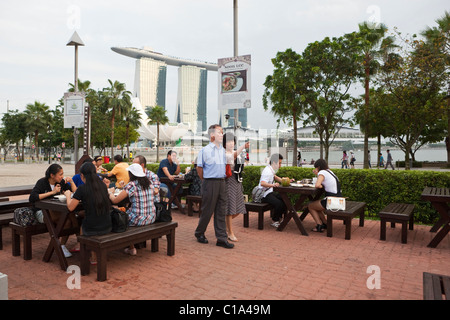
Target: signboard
[[74, 104], [234, 82]]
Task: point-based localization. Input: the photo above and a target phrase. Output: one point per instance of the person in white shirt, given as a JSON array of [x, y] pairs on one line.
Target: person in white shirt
[[325, 179], [268, 180]]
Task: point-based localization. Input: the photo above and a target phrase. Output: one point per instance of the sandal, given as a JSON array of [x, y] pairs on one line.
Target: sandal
[[318, 228], [93, 262], [232, 238], [131, 252]]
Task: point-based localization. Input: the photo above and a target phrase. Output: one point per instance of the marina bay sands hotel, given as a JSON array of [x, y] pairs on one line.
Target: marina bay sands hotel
[[150, 86]]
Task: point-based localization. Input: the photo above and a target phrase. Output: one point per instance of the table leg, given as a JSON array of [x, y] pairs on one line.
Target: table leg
[[55, 244], [174, 198], [292, 214], [443, 209], [439, 236]]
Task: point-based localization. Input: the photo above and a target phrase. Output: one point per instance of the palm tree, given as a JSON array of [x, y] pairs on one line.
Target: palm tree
[[157, 115], [373, 44], [132, 118], [116, 103], [38, 120]]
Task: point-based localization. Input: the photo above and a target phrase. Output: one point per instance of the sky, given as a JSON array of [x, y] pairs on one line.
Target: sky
[[36, 64]]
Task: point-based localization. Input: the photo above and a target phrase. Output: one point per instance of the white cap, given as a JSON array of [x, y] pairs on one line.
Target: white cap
[[136, 170]]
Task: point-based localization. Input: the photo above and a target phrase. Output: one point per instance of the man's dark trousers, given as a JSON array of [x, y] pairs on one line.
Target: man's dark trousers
[[214, 200]]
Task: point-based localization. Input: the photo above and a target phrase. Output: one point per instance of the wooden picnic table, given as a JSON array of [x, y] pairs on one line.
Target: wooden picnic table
[[16, 190], [179, 181], [306, 193], [57, 231], [439, 198]]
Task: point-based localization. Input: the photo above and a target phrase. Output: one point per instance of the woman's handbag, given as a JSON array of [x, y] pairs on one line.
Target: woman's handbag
[[119, 220], [335, 203], [228, 171], [163, 212]]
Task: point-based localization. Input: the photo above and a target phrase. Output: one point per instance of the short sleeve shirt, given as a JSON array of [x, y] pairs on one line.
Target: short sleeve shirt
[[268, 175], [166, 164], [213, 161], [121, 173]]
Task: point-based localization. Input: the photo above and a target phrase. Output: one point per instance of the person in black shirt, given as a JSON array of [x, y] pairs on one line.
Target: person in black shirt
[[97, 206], [53, 184]]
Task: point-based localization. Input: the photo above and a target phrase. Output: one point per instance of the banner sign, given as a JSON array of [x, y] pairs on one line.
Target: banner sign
[[74, 109], [234, 82]]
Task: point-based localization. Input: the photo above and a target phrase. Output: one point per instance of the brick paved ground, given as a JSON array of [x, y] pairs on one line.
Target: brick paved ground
[[265, 264]]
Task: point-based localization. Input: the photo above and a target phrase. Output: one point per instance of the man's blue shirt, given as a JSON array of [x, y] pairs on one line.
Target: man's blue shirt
[[213, 161]]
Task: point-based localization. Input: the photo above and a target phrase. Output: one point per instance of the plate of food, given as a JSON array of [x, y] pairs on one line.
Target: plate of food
[[231, 82], [61, 197]]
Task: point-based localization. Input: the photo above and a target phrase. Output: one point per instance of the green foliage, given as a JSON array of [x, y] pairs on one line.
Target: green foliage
[[377, 188]]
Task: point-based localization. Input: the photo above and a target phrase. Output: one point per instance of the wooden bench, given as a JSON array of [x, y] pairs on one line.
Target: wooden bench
[[191, 199], [397, 212], [26, 233], [436, 286], [257, 207], [112, 241], [352, 209]]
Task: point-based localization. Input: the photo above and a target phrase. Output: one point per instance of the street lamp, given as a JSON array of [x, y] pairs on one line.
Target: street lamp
[[75, 41]]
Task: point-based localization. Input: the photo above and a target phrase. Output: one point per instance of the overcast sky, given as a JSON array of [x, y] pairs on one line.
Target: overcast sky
[[36, 64]]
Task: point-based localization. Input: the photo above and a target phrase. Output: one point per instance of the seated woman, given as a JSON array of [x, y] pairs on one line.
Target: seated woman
[[97, 206], [195, 186], [142, 210], [53, 184], [325, 179]]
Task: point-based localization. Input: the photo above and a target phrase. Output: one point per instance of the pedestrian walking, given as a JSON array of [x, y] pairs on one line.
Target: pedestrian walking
[[389, 160]]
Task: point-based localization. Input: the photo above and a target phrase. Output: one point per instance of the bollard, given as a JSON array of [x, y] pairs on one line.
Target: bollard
[[3, 286]]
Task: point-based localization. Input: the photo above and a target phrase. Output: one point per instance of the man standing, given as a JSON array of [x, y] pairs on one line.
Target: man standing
[[389, 160], [211, 163]]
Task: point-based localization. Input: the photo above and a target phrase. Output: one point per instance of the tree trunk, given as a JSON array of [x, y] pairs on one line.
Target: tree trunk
[[128, 142], [294, 158], [112, 133], [36, 144], [366, 116], [379, 150], [157, 142]]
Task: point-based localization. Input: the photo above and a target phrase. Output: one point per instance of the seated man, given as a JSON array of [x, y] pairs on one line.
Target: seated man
[[120, 171], [168, 168], [268, 180]]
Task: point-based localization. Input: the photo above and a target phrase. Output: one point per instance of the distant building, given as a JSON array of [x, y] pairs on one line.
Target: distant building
[[150, 84], [191, 99]]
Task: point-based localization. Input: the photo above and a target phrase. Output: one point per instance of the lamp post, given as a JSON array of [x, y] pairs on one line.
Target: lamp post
[[75, 41], [235, 37]]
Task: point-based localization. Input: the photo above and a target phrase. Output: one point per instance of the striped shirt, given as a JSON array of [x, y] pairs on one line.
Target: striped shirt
[[142, 210]]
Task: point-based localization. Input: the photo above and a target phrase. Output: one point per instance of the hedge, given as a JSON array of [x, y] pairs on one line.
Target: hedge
[[377, 188]]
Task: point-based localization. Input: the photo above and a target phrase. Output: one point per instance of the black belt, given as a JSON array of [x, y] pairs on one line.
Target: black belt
[[215, 179]]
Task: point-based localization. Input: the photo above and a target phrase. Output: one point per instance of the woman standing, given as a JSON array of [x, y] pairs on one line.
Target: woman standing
[[325, 179], [141, 196], [96, 203], [235, 191]]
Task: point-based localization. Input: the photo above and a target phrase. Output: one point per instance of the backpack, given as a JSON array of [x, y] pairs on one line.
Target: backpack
[[25, 217], [258, 194]]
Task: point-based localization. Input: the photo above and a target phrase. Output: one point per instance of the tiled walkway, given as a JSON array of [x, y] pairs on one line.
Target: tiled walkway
[[265, 264]]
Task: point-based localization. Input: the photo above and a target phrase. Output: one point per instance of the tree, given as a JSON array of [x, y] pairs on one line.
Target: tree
[[115, 103], [37, 121], [14, 129], [157, 115], [285, 91], [132, 119], [372, 45], [438, 38], [414, 94], [329, 71]]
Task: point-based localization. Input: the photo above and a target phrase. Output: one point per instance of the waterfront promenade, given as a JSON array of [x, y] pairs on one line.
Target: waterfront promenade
[[264, 265]]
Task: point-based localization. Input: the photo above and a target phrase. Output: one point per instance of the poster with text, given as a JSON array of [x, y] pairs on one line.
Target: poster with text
[[74, 109], [234, 82]]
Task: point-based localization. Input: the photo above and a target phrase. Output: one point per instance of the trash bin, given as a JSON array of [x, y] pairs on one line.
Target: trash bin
[[106, 159]]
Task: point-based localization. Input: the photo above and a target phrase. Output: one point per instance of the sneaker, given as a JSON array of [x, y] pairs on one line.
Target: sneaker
[[66, 252], [275, 224], [173, 206]]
